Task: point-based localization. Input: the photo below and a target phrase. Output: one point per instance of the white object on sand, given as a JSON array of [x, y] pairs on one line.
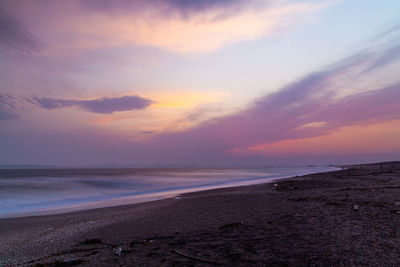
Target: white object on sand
[[355, 207], [118, 251]]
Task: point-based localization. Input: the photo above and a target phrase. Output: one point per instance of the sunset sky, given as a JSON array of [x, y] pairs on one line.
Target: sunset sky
[[206, 82]]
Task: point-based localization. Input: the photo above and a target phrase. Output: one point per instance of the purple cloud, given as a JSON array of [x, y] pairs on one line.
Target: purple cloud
[[8, 107], [14, 37], [184, 7], [103, 105]]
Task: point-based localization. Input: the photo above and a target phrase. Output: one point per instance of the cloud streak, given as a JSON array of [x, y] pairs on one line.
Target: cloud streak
[[14, 38], [184, 7], [8, 107], [102, 105]]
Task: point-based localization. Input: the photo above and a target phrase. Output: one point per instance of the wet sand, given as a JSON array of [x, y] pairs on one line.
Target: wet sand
[[341, 218]]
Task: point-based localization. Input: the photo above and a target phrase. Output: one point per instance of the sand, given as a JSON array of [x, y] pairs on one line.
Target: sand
[[341, 218]]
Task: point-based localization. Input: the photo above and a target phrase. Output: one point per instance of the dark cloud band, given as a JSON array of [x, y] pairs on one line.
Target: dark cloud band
[[8, 107], [13, 35], [183, 6], [102, 105]]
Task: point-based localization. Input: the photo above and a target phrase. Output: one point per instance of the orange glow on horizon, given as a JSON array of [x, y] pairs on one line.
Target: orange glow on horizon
[[372, 138], [185, 99]]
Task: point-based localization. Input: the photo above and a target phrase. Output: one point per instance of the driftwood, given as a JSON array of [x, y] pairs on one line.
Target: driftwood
[[197, 259]]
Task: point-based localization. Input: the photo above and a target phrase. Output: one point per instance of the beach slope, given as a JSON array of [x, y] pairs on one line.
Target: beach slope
[[346, 218]]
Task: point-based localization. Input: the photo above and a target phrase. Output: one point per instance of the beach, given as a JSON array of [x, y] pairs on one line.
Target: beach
[[340, 218]]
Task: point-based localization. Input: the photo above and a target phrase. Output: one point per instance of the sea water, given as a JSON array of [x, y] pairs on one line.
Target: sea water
[[27, 192]]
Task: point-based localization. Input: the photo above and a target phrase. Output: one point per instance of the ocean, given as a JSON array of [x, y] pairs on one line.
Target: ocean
[[27, 192]]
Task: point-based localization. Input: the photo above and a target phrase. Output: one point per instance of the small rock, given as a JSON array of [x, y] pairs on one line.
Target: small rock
[[355, 207]]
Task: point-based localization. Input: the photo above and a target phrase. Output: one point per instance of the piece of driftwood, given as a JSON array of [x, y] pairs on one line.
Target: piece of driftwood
[[195, 258]]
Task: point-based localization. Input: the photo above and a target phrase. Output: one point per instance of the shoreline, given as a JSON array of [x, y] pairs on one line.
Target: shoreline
[[149, 196], [347, 217]]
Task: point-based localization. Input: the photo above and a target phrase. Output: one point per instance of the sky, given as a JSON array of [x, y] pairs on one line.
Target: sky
[[199, 83]]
